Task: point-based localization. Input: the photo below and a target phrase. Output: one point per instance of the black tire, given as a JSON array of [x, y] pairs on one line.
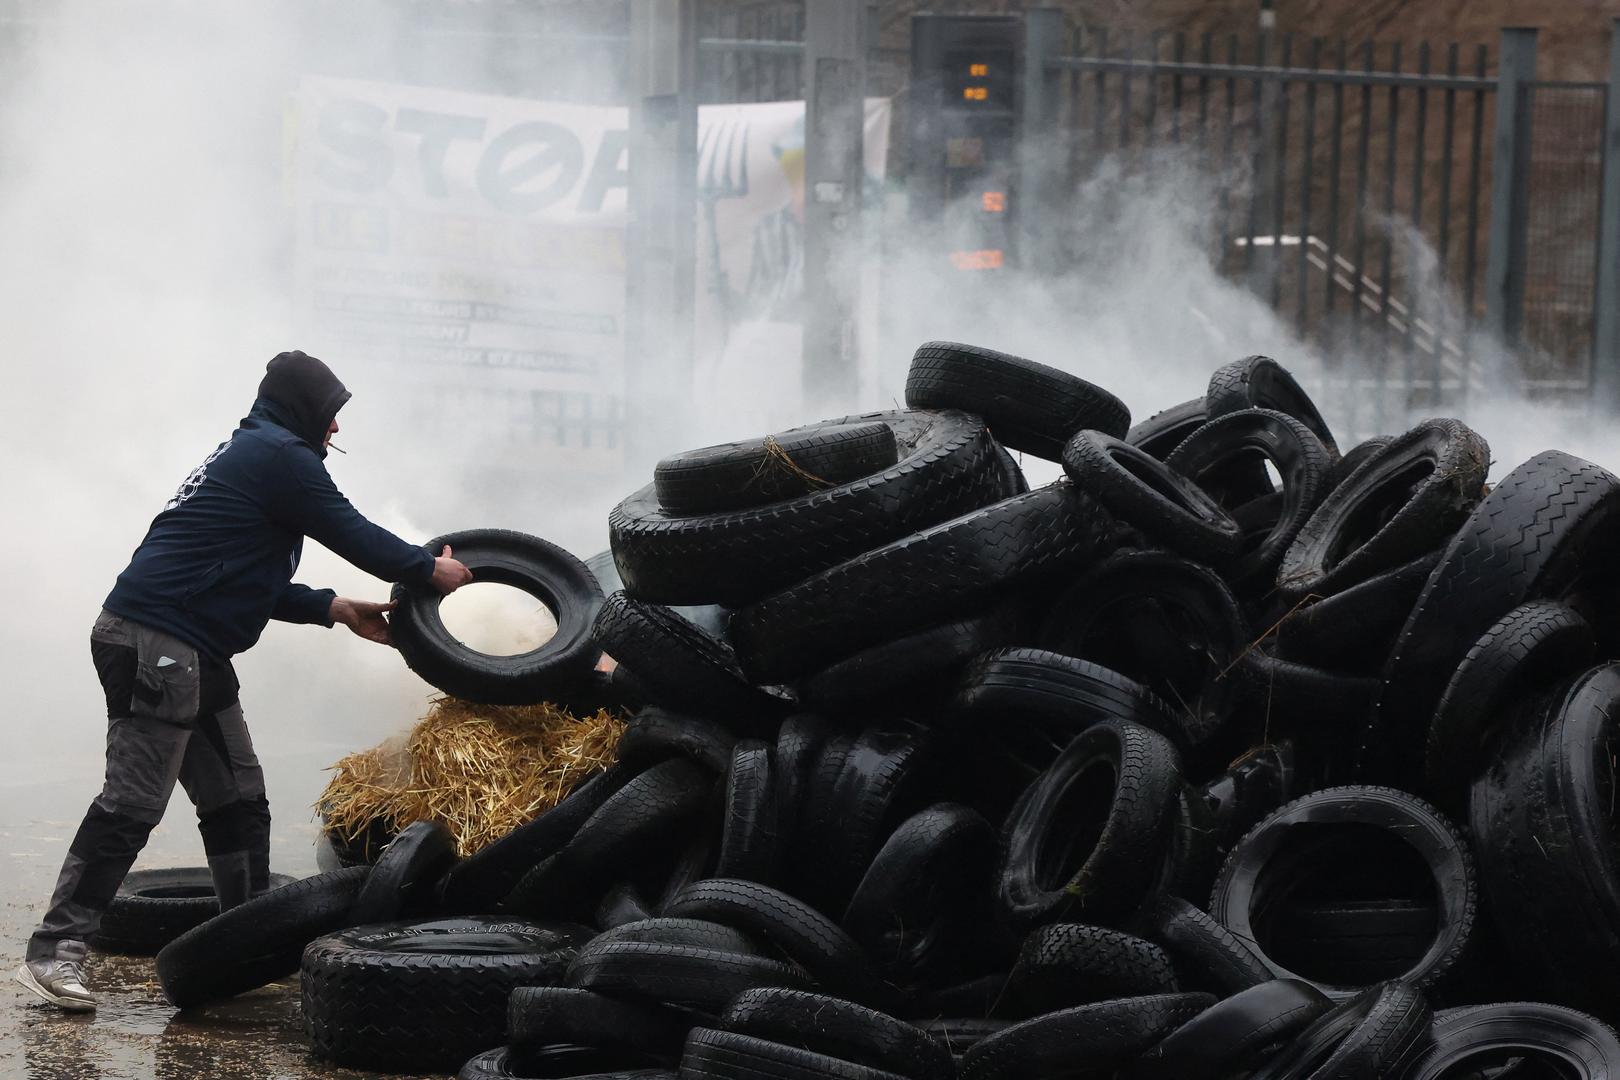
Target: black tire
[[1354, 457], [883, 778], [153, 907], [1259, 382], [1090, 838], [941, 572], [980, 998], [1256, 785], [479, 882], [543, 570], [755, 472], [1561, 1041], [815, 821], [634, 820], [1165, 622], [257, 942], [1525, 652], [1060, 696], [1376, 1034], [633, 825], [654, 735], [1352, 843], [1403, 501], [726, 1055], [1206, 955], [1223, 452], [427, 995], [1543, 531], [701, 855], [798, 746], [905, 915], [679, 665], [1191, 858], [1231, 1035], [1358, 941], [1106, 1036], [404, 880], [505, 1063], [621, 905], [543, 1015], [1068, 964], [1321, 709], [667, 930], [1140, 490], [710, 618], [702, 980], [910, 666], [361, 848], [1543, 829], [947, 467], [960, 1034], [1016, 483], [751, 842], [1354, 629], [1162, 432], [802, 934], [1029, 406], [840, 1029]]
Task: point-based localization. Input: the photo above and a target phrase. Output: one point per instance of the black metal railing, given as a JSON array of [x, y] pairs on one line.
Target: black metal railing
[[1353, 180]]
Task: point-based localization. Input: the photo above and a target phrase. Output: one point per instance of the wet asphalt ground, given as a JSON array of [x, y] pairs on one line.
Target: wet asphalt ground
[[134, 1034]]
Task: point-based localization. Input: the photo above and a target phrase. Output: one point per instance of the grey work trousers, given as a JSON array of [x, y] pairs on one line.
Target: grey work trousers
[[172, 715]]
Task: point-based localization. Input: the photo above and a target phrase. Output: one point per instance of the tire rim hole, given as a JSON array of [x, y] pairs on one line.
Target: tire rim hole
[[1077, 824], [1381, 500], [1345, 904], [497, 619], [1159, 478]]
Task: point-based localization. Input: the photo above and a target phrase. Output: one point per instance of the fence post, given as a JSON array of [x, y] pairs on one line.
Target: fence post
[[1606, 304], [661, 241], [834, 169], [1042, 157], [1510, 187]]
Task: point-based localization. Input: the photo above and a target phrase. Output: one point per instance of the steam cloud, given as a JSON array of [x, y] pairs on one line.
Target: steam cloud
[[145, 281]]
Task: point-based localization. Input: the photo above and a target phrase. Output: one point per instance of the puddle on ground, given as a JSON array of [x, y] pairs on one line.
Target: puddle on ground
[[134, 1034]]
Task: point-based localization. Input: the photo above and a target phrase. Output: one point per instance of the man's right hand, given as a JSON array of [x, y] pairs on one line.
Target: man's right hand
[[448, 573]]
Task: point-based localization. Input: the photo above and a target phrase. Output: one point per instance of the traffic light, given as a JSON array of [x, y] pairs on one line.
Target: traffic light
[[962, 135]]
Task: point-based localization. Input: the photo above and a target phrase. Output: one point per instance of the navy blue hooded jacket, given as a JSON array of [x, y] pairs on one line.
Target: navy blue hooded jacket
[[217, 564]]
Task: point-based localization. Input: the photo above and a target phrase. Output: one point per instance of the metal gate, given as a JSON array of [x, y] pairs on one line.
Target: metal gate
[[1410, 211]]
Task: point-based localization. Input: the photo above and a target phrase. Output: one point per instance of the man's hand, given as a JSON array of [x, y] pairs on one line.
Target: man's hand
[[449, 574], [363, 617]]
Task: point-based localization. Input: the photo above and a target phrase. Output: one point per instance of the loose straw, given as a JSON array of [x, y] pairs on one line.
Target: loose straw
[[482, 770]]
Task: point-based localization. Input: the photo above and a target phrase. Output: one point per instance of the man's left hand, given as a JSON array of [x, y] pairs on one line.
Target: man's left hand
[[363, 617]]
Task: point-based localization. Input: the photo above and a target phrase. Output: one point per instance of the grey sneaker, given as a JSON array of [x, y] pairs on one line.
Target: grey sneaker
[[58, 981]]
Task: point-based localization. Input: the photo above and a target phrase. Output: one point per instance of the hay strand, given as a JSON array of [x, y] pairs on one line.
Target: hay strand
[[482, 770], [774, 452]]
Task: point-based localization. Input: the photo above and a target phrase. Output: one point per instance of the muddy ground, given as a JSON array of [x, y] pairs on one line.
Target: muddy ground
[[135, 1034]]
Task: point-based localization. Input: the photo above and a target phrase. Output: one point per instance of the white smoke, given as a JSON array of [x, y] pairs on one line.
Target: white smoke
[[144, 282]]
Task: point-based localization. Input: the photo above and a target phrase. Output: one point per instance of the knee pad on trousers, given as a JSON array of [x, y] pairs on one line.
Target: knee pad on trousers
[[106, 845], [239, 826]]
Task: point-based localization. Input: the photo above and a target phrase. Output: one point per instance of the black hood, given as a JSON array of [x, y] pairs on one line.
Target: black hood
[[307, 394]]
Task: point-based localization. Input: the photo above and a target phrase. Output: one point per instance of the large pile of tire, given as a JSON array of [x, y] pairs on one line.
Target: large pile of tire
[[1231, 754]]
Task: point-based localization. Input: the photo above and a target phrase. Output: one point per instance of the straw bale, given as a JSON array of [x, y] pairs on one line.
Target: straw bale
[[482, 770]]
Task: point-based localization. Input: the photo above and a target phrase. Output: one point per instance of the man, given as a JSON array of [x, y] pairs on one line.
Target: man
[[216, 565]]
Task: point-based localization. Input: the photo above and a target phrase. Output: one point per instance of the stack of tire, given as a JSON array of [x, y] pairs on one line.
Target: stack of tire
[[1227, 755]]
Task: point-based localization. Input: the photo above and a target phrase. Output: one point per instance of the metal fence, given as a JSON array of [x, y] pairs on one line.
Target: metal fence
[[1366, 192], [1565, 184], [1353, 179]]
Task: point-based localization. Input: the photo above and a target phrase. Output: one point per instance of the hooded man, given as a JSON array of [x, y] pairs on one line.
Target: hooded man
[[216, 566]]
